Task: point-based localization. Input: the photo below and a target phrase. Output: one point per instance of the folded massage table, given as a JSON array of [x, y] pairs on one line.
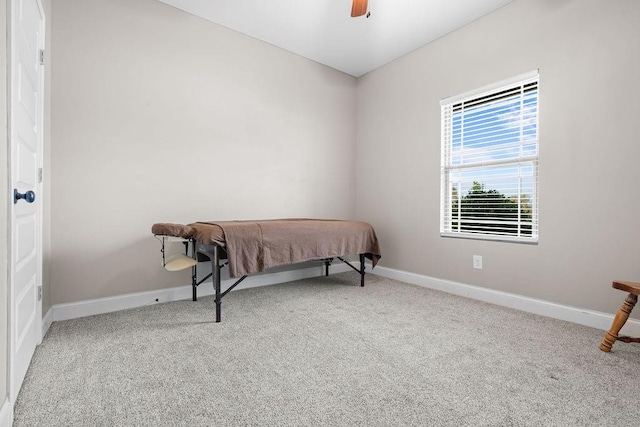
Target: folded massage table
[[253, 246]]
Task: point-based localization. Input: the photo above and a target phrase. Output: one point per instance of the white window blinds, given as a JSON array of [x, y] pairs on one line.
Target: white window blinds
[[489, 173]]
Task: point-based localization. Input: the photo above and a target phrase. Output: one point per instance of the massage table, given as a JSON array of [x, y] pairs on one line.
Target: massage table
[[253, 246]]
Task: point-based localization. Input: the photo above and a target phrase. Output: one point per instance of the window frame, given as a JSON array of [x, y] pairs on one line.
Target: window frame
[[447, 142]]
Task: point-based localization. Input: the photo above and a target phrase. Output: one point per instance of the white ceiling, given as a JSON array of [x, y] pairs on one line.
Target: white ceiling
[[323, 30]]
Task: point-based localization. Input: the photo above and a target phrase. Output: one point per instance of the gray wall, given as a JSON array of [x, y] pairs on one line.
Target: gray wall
[[159, 116], [587, 54]]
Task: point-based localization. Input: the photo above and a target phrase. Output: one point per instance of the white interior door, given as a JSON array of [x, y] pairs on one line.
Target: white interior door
[[26, 127]]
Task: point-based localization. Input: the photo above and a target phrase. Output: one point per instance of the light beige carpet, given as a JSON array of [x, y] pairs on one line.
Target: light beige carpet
[[324, 351]]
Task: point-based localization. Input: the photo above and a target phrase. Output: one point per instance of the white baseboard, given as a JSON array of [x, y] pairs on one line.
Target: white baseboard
[[582, 316], [6, 414], [46, 321], [122, 302]]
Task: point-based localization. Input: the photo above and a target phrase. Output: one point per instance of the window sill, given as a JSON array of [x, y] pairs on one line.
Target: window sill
[[473, 236]]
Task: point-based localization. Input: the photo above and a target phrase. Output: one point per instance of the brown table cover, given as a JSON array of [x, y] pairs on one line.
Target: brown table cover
[[254, 246]]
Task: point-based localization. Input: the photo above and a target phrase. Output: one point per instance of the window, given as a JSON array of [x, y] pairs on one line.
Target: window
[[489, 173]]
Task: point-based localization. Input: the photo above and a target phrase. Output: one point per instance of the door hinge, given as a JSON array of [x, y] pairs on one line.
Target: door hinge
[[41, 56], [39, 293], [40, 175]]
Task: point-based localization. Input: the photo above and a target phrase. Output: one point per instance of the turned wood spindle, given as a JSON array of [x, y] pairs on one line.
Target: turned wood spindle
[[621, 317]]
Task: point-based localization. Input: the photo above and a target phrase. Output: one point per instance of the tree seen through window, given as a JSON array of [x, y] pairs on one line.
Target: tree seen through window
[[489, 211]]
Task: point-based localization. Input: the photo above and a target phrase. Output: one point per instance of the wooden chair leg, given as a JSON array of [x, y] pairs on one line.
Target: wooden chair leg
[[618, 322]]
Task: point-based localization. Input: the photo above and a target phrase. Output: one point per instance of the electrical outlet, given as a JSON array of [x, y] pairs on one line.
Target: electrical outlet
[[477, 262]]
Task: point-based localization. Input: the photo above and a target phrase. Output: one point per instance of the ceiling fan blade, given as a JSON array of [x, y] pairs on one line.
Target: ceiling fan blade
[[358, 8]]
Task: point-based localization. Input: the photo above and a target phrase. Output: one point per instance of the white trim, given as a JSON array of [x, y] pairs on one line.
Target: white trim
[[493, 87], [494, 237], [46, 322], [40, 183], [6, 414], [582, 316], [122, 302]]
